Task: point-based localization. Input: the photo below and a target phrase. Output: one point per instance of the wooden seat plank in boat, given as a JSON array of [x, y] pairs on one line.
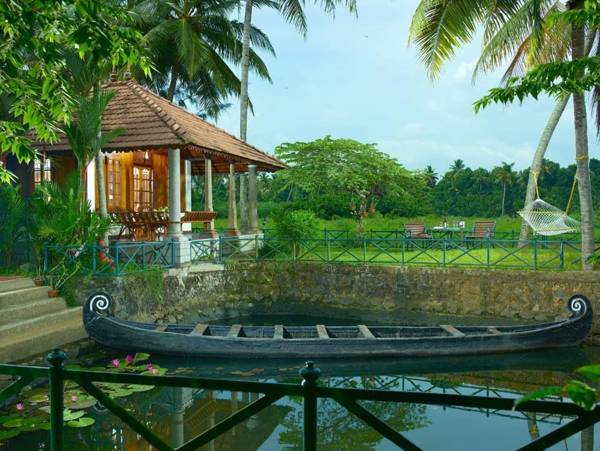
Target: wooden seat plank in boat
[[199, 329], [278, 332], [235, 330], [365, 331], [452, 330], [322, 331]]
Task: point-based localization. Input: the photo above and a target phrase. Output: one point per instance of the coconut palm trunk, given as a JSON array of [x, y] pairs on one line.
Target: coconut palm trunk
[[538, 159], [540, 152], [581, 151], [244, 100]]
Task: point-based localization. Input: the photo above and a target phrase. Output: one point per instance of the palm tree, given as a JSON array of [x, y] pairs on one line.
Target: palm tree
[[85, 134], [431, 177], [505, 176], [581, 148], [514, 31], [517, 29], [293, 13], [457, 165], [192, 43]]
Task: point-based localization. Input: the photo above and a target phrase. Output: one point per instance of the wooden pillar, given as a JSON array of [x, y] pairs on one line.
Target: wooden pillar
[[233, 228], [174, 193], [209, 227], [252, 200]]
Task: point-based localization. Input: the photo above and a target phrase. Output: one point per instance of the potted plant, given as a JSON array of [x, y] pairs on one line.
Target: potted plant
[[61, 273]]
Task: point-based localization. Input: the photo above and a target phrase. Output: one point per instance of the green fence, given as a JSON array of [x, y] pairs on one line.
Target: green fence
[[309, 390], [489, 253], [437, 252]]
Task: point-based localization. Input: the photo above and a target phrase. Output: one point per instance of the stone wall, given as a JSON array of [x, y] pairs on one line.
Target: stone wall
[[369, 293]]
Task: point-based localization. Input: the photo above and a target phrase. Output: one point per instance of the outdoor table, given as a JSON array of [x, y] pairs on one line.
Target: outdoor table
[[447, 232]]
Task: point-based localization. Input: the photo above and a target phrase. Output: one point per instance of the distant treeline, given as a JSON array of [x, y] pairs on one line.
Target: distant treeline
[[461, 191]]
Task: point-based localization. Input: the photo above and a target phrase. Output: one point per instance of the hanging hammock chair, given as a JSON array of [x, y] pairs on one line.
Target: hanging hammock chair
[[548, 220]]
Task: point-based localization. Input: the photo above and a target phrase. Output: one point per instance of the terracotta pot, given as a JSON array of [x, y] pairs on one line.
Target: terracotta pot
[[53, 293], [38, 281]]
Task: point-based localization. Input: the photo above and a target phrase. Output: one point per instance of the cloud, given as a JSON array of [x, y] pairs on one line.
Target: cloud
[[464, 71]]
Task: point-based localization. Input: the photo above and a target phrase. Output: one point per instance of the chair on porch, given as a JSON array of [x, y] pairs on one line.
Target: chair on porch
[[415, 231]]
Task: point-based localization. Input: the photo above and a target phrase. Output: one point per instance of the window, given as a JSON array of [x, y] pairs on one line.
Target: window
[[113, 188], [143, 188], [42, 171]]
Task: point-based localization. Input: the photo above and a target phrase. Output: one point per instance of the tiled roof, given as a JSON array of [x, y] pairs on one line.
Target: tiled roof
[[152, 122]]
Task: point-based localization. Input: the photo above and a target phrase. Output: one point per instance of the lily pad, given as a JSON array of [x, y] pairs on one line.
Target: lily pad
[[81, 422], [139, 388], [5, 434]]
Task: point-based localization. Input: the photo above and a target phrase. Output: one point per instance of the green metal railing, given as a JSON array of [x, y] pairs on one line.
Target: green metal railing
[[309, 390], [487, 253]]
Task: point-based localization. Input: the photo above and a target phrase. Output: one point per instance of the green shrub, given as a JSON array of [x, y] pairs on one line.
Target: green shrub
[[296, 226]]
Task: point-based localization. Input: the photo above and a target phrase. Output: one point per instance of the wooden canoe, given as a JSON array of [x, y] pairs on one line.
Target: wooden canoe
[[322, 341]]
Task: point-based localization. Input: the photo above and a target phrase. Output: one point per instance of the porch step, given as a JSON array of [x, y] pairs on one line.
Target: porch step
[[48, 322], [21, 312], [17, 283], [22, 296], [38, 340]]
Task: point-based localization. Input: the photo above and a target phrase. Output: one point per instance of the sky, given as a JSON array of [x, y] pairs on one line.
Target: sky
[[356, 77]]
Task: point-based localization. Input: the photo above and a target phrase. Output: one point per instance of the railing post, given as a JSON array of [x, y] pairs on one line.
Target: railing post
[[94, 263], [256, 248], [444, 252], [561, 255], [535, 252], [310, 374], [220, 248], [488, 245], [56, 382], [117, 269], [46, 258], [364, 250]]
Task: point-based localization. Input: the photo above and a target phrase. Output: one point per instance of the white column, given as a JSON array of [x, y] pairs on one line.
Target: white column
[[232, 216], [174, 193], [209, 227], [181, 244], [91, 184], [187, 226], [252, 200]]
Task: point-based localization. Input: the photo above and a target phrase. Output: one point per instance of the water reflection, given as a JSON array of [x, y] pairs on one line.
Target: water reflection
[[179, 414]]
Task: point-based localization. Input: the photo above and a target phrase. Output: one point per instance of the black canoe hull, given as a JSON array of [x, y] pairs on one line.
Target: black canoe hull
[[383, 342]]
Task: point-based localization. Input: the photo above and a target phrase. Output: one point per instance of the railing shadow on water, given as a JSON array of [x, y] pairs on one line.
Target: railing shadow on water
[[309, 390]]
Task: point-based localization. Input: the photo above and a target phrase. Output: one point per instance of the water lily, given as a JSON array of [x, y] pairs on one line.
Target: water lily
[[129, 359], [149, 367], [154, 371], [19, 406], [115, 363], [74, 398]]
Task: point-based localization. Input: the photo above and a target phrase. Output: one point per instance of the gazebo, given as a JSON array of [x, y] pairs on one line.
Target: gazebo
[[149, 167]]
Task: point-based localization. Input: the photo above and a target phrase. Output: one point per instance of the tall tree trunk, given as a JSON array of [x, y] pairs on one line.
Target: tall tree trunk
[[581, 152], [538, 159], [102, 208], [540, 152], [173, 83], [245, 66]]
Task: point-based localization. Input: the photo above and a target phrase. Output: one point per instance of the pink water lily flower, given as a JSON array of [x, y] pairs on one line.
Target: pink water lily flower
[[19, 406], [149, 367], [129, 359], [115, 363], [154, 371], [74, 398]]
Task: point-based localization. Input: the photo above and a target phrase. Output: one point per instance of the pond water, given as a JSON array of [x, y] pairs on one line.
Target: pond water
[[178, 415]]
